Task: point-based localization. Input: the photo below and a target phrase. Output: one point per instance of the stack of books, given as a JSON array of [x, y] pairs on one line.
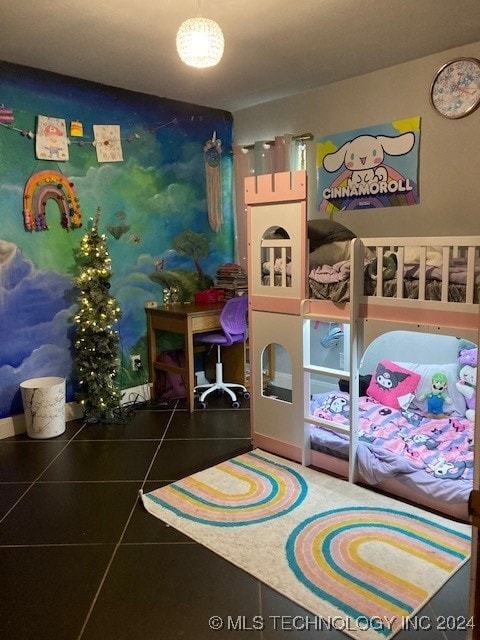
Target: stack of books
[[232, 279]]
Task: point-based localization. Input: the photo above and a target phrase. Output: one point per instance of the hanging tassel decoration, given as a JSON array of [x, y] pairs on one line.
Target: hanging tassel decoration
[[212, 153]]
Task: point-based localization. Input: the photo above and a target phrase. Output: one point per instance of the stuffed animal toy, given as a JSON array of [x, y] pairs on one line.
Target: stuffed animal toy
[[437, 396], [467, 383]]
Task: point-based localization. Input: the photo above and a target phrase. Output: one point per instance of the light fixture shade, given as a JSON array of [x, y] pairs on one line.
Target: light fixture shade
[[200, 42]]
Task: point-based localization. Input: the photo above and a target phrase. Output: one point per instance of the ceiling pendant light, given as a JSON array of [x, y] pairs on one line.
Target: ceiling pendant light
[[200, 42]]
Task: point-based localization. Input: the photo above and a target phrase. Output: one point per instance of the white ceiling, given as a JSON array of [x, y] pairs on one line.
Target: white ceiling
[[274, 48]]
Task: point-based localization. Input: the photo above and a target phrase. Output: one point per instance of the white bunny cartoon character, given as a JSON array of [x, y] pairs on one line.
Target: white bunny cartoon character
[[364, 156]]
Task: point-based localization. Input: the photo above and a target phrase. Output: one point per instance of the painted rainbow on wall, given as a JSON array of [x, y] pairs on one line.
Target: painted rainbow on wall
[[264, 490], [50, 185]]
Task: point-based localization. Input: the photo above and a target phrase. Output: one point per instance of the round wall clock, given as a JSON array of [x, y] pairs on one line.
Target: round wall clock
[[455, 90]]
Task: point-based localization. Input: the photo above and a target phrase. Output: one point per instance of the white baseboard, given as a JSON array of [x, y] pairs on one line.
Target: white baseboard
[[14, 425], [284, 381], [140, 393]]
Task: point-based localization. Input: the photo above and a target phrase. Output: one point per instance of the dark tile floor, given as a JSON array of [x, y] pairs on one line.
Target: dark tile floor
[[80, 559]]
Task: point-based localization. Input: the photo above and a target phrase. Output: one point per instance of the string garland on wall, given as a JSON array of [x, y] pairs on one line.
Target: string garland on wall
[[86, 140], [77, 128], [52, 143]]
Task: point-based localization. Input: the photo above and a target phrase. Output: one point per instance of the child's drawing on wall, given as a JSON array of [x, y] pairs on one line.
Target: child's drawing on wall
[[51, 139]]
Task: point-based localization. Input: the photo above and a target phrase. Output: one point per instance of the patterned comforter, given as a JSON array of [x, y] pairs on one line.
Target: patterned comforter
[[434, 453]]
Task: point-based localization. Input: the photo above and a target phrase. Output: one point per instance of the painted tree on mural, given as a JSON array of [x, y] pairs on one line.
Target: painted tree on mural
[[195, 246], [96, 341]]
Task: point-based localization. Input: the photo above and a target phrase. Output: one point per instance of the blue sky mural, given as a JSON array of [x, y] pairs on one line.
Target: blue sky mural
[[155, 193]]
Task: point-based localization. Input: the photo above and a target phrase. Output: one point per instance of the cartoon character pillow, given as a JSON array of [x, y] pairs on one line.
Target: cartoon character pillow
[[392, 385]]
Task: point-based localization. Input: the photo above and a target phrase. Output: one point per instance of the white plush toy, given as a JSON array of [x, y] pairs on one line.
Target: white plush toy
[[467, 384]]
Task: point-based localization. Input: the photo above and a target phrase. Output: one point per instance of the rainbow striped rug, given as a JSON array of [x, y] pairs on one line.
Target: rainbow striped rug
[[358, 561]]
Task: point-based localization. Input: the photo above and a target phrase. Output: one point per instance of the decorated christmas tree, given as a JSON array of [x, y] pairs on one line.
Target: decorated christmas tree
[[96, 340]]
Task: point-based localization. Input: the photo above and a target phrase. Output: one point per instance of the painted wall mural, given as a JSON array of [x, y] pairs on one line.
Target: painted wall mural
[[154, 212]]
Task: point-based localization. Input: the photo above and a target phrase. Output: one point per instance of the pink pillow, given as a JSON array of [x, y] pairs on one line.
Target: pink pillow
[[392, 385]]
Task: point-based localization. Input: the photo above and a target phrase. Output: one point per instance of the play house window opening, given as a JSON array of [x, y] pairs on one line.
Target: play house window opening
[[276, 258]]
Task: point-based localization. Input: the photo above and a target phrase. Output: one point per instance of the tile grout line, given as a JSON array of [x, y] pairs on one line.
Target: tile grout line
[[117, 546], [33, 482], [260, 606]]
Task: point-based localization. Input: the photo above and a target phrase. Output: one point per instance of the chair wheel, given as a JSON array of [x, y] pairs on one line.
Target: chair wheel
[[202, 405], [236, 404], [246, 395]]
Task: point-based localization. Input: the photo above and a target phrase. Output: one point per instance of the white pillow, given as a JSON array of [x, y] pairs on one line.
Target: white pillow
[[434, 257], [426, 371]]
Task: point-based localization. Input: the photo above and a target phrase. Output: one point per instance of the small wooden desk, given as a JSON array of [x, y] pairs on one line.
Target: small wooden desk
[[186, 319]]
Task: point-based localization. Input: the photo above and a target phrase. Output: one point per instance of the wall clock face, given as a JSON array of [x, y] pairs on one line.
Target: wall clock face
[[455, 90]]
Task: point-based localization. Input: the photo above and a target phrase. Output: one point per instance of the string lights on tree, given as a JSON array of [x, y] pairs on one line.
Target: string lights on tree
[[96, 340]]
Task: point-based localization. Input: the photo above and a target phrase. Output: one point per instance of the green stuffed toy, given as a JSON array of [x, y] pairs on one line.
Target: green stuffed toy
[[437, 396]]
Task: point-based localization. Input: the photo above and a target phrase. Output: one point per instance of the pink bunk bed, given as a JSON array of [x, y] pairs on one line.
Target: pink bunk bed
[[377, 285]]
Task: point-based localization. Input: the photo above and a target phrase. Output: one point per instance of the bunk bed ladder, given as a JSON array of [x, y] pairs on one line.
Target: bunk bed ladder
[[349, 315]]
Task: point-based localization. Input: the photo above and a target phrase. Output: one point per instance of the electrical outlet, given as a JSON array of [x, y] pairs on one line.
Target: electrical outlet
[[136, 363]]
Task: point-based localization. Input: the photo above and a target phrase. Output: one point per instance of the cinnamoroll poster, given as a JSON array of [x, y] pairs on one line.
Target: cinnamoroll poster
[[369, 168]]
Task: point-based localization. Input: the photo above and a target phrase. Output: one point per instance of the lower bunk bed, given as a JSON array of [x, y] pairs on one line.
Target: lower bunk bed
[[415, 437]]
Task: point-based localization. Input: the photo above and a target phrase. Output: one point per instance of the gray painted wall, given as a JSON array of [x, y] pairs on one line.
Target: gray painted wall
[[449, 165]]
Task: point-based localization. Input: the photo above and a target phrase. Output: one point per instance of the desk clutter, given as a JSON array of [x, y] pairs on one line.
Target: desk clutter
[[230, 282], [209, 296], [232, 278], [171, 295]]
